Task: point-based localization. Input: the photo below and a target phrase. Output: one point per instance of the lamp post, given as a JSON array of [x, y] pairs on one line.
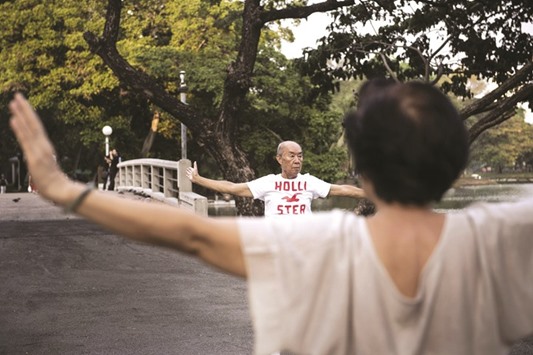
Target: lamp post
[[183, 98], [107, 130], [184, 184]]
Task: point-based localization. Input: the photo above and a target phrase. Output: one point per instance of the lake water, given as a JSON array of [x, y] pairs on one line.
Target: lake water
[[455, 198]]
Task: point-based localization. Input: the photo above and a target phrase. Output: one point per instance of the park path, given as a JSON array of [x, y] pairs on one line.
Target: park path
[[69, 287]]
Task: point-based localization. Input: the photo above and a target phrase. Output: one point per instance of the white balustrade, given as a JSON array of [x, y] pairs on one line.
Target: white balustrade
[[163, 180]]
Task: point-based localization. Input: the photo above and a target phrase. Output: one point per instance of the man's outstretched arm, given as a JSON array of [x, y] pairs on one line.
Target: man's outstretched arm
[[346, 190], [223, 186]]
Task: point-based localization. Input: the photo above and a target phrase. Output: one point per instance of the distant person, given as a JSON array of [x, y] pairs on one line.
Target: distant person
[[107, 165], [102, 170], [407, 280], [3, 184], [114, 159], [287, 193]]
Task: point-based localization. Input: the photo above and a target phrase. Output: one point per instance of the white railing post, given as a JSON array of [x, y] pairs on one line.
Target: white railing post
[[184, 184], [137, 175], [167, 183], [145, 177], [153, 178]]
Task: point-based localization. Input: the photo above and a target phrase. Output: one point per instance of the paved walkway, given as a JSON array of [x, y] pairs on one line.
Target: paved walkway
[[69, 287]]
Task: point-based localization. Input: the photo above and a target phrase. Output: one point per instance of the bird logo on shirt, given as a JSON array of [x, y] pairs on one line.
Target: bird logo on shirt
[[293, 198]]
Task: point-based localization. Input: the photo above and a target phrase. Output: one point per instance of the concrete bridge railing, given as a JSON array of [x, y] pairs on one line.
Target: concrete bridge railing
[[163, 180]]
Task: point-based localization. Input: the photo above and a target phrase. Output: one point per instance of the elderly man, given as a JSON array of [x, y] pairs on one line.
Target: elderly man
[[288, 193]]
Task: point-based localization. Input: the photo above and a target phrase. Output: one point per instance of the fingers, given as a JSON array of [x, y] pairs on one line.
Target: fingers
[[37, 148], [28, 127], [31, 119], [17, 119], [192, 172], [24, 113], [25, 122]]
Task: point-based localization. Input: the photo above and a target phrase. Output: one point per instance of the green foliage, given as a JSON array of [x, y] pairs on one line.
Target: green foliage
[[200, 39], [164, 38], [345, 97], [507, 148], [284, 106], [43, 53], [331, 166]]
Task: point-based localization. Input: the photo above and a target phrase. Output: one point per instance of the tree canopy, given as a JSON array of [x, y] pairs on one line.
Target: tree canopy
[[76, 92], [440, 41], [43, 54], [510, 147], [84, 65], [217, 131]]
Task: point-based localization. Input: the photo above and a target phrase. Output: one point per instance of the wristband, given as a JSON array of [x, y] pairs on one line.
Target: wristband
[[73, 206]]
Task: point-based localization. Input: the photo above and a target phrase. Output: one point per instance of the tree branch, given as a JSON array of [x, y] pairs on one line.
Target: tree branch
[[438, 75], [506, 109], [387, 66], [424, 59], [426, 62], [105, 47], [240, 71], [112, 22], [479, 105], [440, 48], [303, 11]]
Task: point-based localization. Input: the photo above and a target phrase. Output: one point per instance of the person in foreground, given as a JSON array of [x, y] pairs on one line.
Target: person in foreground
[[407, 280], [287, 193]]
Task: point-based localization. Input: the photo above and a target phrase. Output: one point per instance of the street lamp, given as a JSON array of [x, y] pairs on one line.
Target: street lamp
[[183, 98], [107, 130]]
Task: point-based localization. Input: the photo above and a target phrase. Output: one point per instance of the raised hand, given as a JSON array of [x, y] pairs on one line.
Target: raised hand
[[192, 172], [37, 148]]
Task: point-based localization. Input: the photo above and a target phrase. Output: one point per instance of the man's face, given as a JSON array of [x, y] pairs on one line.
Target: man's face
[[291, 160]]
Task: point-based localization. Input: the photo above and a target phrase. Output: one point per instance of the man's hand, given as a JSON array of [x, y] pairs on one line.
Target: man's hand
[[192, 173]]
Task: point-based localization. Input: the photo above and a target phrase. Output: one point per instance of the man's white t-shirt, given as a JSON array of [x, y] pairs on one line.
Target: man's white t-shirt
[[288, 196], [317, 286]]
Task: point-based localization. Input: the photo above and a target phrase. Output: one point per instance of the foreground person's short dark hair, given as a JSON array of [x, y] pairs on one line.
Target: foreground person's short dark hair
[[408, 140]]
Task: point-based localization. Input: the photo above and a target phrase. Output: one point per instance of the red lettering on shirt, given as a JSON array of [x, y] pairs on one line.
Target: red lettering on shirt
[[290, 186], [291, 209]]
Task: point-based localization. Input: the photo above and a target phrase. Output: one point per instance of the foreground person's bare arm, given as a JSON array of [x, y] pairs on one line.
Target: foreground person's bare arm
[[215, 241]]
